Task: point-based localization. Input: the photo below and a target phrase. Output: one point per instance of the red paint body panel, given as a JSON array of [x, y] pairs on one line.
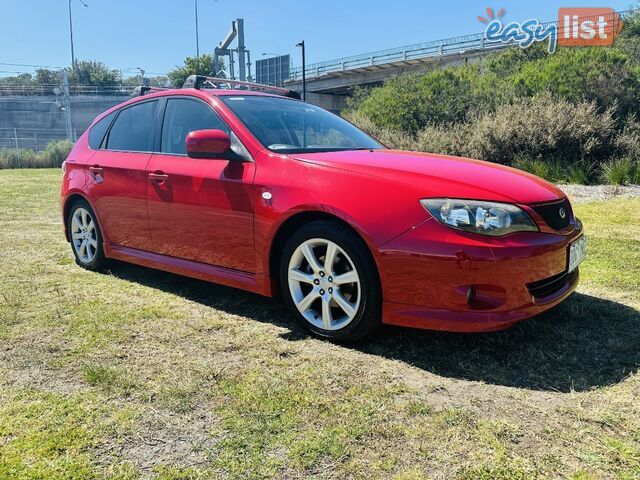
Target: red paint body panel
[[203, 211], [442, 263], [444, 176], [207, 218]]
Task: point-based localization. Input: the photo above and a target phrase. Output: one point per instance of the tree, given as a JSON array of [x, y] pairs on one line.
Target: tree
[[136, 81], [44, 76], [192, 66], [91, 72]]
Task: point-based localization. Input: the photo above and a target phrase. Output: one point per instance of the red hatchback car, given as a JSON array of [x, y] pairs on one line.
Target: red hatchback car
[[270, 194]]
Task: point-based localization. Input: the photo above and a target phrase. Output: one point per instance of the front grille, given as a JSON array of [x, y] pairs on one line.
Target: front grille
[[550, 285], [551, 214]]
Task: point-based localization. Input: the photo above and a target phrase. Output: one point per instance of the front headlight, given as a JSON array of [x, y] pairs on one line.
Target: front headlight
[[486, 218]]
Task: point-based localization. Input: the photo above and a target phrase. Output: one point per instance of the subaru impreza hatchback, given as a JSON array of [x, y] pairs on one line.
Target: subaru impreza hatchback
[[273, 195]]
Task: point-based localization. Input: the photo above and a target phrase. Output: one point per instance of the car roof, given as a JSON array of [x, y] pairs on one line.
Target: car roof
[[213, 92]]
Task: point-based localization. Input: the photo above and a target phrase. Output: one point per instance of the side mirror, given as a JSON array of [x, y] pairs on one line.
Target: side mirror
[[207, 144]]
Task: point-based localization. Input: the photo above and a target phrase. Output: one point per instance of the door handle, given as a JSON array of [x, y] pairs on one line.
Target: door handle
[[96, 169], [158, 177]]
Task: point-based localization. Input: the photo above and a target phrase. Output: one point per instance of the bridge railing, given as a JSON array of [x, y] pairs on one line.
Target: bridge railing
[[398, 54]]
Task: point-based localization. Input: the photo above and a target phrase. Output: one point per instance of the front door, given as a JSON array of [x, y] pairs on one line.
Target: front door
[[199, 209]]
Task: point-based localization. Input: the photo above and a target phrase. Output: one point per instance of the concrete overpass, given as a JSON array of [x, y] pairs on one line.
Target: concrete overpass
[[330, 83]]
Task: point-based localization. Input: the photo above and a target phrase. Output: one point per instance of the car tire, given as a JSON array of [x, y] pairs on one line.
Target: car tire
[[85, 236], [330, 282]]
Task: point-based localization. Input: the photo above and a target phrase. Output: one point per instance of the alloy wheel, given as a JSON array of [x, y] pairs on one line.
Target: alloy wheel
[[324, 284], [84, 235]]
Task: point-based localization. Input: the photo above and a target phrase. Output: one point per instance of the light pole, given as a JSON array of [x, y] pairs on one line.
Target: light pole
[[304, 68], [143, 81], [195, 5], [73, 57]]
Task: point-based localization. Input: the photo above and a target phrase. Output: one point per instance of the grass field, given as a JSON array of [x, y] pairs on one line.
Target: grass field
[[134, 373]]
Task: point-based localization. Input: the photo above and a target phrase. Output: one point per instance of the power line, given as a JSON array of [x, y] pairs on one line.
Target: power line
[[27, 65]]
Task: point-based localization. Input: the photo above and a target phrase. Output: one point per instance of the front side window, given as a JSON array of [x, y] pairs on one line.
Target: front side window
[[182, 116], [290, 126], [133, 129]]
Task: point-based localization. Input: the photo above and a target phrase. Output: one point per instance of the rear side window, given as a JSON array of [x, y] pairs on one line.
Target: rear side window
[[133, 129], [97, 132], [182, 116]]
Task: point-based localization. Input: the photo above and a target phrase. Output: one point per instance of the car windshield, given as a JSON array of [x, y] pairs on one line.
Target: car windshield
[[289, 126]]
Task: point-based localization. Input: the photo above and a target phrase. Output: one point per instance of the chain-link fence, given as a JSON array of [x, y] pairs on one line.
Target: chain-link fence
[[35, 139], [45, 90]]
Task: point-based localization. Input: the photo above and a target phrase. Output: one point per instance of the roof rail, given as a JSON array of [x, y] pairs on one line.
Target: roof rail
[[143, 90], [200, 81]]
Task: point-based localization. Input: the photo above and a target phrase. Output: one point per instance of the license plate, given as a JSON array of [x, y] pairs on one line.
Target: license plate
[[577, 252]]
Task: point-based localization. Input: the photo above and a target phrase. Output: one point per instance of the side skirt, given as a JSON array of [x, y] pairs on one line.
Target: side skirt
[[256, 283]]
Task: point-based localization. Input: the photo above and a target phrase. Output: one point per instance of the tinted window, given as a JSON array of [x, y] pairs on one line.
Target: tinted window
[[289, 126], [133, 129], [183, 116], [96, 134]]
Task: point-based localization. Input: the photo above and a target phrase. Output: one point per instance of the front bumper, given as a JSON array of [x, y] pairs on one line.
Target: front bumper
[[437, 278]]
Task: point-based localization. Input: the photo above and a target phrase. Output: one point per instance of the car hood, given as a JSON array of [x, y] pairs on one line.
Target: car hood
[[442, 176]]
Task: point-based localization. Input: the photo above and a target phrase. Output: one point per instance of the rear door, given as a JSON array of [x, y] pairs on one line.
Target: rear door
[[199, 209], [118, 175]]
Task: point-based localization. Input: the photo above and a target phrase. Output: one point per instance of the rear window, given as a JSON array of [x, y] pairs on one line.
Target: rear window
[[98, 131], [132, 131]]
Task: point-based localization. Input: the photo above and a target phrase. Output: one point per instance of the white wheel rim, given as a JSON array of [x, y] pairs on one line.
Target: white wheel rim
[[84, 236], [324, 284]]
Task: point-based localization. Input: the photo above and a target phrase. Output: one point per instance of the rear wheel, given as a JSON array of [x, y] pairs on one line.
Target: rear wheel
[[330, 282], [86, 239]]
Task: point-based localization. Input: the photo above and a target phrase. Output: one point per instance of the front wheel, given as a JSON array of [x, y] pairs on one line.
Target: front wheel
[[330, 282]]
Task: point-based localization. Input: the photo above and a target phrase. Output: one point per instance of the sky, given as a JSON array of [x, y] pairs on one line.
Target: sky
[[158, 34]]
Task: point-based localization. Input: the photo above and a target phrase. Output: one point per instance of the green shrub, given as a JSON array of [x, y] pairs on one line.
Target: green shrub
[[55, 153], [16, 158], [52, 156], [536, 167], [619, 171], [579, 173], [635, 176], [410, 102], [595, 74], [556, 171], [539, 129], [390, 138], [542, 128], [628, 141]]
